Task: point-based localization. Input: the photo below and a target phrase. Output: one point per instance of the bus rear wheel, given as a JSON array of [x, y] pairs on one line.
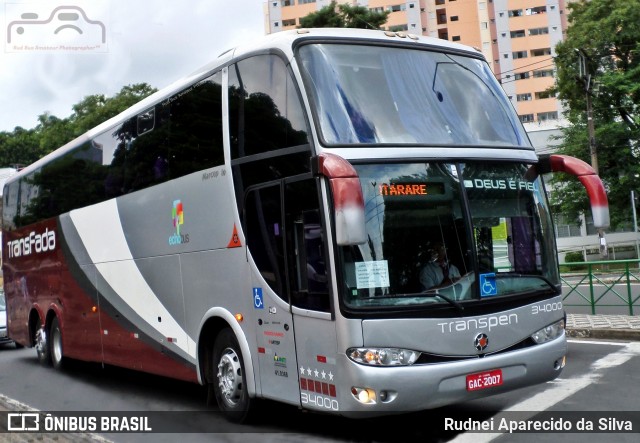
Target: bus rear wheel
[[42, 347], [55, 334], [229, 378]]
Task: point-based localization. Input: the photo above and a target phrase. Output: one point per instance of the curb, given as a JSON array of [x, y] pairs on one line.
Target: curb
[[611, 334]]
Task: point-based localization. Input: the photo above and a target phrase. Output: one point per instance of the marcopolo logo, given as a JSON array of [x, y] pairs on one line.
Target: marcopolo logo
[[33, 27], [177, 214], [34, 242]]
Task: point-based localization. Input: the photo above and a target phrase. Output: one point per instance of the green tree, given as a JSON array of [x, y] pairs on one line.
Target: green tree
[[344, 15], [53, 132], [607, 33], [24, 146], [19, 147]]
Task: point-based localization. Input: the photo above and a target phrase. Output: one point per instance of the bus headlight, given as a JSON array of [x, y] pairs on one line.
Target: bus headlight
[[549, 333], [383, 356]]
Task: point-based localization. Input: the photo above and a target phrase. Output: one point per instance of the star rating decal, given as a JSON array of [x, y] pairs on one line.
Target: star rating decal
[[317, 374]]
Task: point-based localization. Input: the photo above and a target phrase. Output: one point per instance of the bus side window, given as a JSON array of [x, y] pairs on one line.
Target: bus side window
[[264, 235], [174, 138], [265, 113], [10, 206], [267, 126], [194, 136], [311, 265]]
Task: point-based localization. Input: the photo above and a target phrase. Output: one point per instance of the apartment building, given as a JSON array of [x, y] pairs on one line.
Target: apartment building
[[517, 37]]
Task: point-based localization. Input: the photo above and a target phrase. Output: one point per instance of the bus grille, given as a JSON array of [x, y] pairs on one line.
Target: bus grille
[[428, 359]]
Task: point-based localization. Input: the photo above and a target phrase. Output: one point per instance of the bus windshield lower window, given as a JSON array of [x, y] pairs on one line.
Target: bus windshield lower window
[[438, 233]]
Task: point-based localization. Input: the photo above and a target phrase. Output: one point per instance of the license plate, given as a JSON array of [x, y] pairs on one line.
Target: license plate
[[484, 380]]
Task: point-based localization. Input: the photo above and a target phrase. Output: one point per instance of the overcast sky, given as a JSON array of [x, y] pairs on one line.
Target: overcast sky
[[49, 65]]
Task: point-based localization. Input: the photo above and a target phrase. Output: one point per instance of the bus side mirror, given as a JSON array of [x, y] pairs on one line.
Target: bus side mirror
[[587, 176], [348, 202]]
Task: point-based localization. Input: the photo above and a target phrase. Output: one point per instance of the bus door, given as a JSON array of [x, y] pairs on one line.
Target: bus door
[[315, 330], [294, 328], [311, 306], [275, 341]]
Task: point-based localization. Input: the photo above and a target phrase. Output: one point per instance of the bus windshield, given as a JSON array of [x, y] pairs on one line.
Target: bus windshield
[[406, 82], [421, 250]]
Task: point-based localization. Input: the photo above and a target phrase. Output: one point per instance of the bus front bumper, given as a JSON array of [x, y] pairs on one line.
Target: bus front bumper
[[369, 391]]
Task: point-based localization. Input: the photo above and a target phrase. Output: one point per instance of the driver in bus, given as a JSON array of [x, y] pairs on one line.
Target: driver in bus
[[438, 272]]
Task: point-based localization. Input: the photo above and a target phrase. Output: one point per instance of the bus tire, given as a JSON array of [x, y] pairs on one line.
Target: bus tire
[[229, 378], [42, 347], [55, 341]]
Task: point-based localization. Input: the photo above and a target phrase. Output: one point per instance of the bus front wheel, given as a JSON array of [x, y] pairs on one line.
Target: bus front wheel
[[229, 378]]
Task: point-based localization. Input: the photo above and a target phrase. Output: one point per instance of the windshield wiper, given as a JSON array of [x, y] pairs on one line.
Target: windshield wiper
[[449, 300]]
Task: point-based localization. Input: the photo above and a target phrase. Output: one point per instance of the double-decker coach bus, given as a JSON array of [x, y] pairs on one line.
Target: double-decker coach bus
[[263, 227]]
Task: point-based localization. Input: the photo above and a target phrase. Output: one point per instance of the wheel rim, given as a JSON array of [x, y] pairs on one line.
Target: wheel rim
[[41, 341], [56, 345], [230, 377]]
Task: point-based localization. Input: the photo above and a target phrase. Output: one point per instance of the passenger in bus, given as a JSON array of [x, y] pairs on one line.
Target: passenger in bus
[[160, 168], [438, 272]]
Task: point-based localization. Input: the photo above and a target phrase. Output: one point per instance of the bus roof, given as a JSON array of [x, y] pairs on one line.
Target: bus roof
[[284, 41]]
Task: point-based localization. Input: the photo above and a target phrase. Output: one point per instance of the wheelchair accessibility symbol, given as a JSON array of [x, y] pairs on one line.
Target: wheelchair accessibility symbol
[[488, 285], [257, 298]]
